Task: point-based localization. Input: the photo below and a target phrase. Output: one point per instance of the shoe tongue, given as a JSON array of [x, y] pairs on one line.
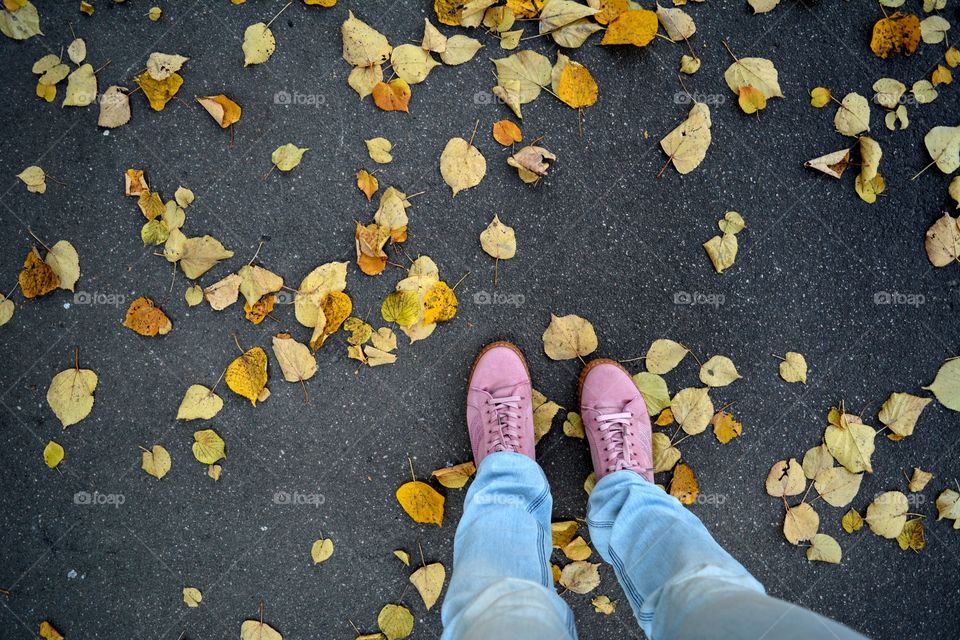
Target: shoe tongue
[[507, 391]]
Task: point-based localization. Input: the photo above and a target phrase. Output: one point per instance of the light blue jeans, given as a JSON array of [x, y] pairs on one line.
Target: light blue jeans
[[679, 581]]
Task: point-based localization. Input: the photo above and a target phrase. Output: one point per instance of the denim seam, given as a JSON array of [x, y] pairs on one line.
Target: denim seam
[[626, 582]]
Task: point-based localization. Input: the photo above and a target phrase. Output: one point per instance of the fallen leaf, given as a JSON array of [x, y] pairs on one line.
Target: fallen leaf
[[455, 477], [208, 447], [47, 630], [379, 150], [258, 630], [851, 521], [460, 49], [199, 403], [901, 411], [63, 259], [758, 73], [247, 375], [412, 63], [654, 390], [577, 549], [785, 478], [462, 165], [159, 92], [919, 480], [580, 576], [823, 548], [833, 164], [81, 87], [367, 184], [428, 580], [114, 108], [393, 95], [573, 427], [572, 82], [498, 240], [663, 355], [321, 550], [815, 460], [192, 597], [395, 621], [933, 29], [531, 162], [851, 443], [70, 395], [603, 604], [544, 411], [53, 454], [296, 361], [887, 514], [421, 502], [686, 146], [820, 97], [912, 535], [718, 371], [145, 318], [837, 486], [725, 428], [946, 385], [156, 462], [363, 46], [37, 278], [793, 367], [637, 27], [6, 309], [258, 44], [568, 337], [948, 506], [895, 33], [665, 455], [222, 109], [800, 523], [684, 486], [287, 156]]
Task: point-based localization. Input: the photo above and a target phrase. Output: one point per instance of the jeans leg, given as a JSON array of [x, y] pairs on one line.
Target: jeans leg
[[502, 585], [679, 581]]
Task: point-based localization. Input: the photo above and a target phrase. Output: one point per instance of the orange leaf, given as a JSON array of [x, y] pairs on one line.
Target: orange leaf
[[367, 183], [260, 309], [684, 486], [506, 132], [392, 96], [37, 277], [751, 99], [899, 32], [224, 110], [147, 319]]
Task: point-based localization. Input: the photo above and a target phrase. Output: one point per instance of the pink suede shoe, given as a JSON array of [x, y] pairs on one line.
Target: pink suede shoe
[[615, 419], [499, 404]]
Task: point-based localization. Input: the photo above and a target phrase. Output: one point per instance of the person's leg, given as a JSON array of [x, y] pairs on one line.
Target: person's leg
[[502, 586], [679, 581]]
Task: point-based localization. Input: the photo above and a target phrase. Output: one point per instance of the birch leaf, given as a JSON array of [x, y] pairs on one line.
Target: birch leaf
[[421, 502], [296, 361], [498, 240], [258, 44], [70, 395], [156, 462], [568, 337], [692, 408], [887, 514], [946, 386], [823, 548], [687, 144], [428, 581], [718, 371], [199, 403], [901, 411], [853, 115], [800, 523], [462, 165]]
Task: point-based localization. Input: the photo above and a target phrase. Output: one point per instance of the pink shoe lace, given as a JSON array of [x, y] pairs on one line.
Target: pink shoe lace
[[504, 424], [616, 452]]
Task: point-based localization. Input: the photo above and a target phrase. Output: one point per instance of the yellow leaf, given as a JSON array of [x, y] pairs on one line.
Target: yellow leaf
[[287, 156], [258, 44], [35, 179], [684, 486], [156, 462], [192, 597], [321, 550], [455, 477], [395, 621], [577, 549], [439, 303], [258, 630], [199, 403], [146, 319], [403, 556], [895, 33], [296, 361], [722, 251], [363, 45], [421, 502], [800, 523], [247, 375], [412, 63], [851, 521], [336, 309], [53, 454], [562, 532], [751, 99], [569, 337], [260, 309], [367, 183], [224, 110], [603, 604], [379, 150], [462, 165], [402, 307], [725, 427], [48, 632], [208, 447], [580, 577], [428, 581], [687, 144], [793, 368], [71, 395], [820, 97], [573, 83], [665, 418], [159, 92], [912, 535], [637, 27]]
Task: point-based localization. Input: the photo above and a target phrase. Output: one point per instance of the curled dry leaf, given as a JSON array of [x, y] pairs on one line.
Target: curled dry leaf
[[531, 162], [919, 480], [455, 477]]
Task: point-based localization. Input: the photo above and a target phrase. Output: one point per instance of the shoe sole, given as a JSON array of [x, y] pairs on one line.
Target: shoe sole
[[589, 367]]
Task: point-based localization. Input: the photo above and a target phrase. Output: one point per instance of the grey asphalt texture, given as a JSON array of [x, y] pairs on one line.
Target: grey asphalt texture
[[601, 237]]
